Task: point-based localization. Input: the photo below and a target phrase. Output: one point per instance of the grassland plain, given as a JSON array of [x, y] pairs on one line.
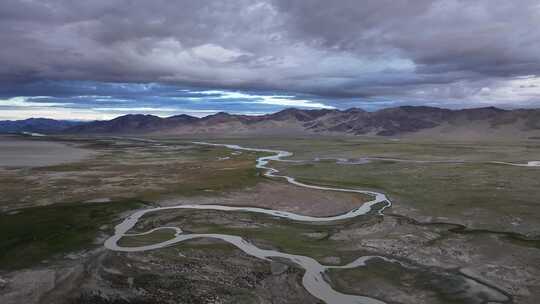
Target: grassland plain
[[61, 208], [32, 235], [485, 196], [309, 148], [310, 239], [124, 169], [471, 191], [389, 280], [433, 253], [201, 271]]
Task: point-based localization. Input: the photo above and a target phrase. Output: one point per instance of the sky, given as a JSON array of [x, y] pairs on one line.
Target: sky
[[86, 60]]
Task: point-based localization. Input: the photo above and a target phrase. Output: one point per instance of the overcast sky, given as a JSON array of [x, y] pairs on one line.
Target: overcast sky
[[103, 58]]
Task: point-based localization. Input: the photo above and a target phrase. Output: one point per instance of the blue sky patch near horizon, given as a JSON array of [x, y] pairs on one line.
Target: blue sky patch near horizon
[[91, 100], [97, 101]]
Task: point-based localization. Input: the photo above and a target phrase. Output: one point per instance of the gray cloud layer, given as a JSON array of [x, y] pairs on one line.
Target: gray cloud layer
[[452, 50]]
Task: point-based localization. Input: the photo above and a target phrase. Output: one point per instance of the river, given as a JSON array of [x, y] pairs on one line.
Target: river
[[313, 278]]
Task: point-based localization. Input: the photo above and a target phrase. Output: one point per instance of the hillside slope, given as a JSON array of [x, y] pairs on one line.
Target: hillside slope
[[400, 121]]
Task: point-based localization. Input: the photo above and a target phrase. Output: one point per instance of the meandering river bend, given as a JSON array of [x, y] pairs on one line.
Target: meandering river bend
[[313, 279]]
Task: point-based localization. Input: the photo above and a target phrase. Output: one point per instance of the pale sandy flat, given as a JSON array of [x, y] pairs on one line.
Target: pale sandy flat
[[282, 196], [21, 152]]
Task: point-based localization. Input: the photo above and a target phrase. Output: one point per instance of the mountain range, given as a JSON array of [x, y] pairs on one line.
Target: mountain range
[[399, 121], [37, 125]]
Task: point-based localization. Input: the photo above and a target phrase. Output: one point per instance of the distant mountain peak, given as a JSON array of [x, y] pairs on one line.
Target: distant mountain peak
[[354, 110], [182, 116]]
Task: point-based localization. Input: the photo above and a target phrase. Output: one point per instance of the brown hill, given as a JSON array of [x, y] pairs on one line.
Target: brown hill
[[400, 121]]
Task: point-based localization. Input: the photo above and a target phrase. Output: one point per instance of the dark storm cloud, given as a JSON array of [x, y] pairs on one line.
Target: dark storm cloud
[[486, 36], [335, 50]]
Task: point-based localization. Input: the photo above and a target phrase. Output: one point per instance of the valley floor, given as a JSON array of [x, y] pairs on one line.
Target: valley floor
[[461, 229]]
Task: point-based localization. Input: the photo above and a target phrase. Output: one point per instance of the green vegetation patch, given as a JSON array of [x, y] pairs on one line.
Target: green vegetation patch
[[28, 236], [309, 239], [434, 285], [154, 237], [489, 196], [128, 169], [363, 146]]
